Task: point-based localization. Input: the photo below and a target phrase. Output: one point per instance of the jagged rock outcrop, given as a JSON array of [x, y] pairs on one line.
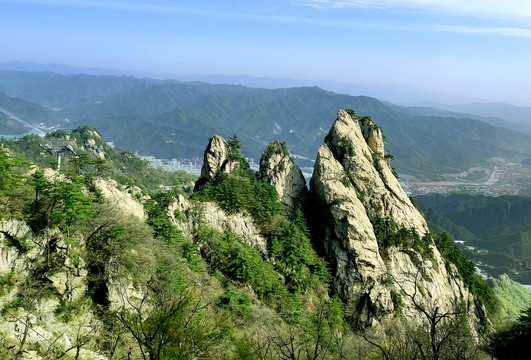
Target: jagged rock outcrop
[[31, 311], [280, 171], [217, 158], [122, 201], [356, 143], [43, 274], [189, 215], [353, 188]]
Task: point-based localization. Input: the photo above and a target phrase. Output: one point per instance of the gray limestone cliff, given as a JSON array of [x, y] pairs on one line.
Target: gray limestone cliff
[[280, 171], [354, 191]]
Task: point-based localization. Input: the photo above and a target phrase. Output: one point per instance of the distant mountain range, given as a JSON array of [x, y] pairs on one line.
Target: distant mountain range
[[517, 114], [403, 94], [173, 119]]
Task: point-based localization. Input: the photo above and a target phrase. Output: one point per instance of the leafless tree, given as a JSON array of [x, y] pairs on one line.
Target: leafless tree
[[446, 334]]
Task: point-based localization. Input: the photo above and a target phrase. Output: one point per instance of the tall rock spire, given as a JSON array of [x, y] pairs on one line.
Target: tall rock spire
[[280, 171], [375, 240]]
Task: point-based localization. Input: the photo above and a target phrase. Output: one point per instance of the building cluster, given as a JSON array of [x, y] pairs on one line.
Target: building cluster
[[192, 166]]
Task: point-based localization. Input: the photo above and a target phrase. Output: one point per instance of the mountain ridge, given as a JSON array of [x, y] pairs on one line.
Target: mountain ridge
[[125, 107]]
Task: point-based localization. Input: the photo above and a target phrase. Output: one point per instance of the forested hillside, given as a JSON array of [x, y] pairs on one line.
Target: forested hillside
[[171, 119], [499, 225], [95, 158]]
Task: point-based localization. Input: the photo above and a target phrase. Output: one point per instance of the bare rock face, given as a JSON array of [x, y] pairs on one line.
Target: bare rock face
[[281, 172], [357, 144], [352, 186], [216, 159], [189, 215], [11, 259], [124, 201]]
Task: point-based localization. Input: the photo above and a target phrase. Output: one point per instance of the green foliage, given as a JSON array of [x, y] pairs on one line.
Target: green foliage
[[235, 301], [123, 166], [237, 260], [398, 303], [64, 204], [389, 234], [290, 251], [345, 144], [236, 154], [11, 175], [276, 148], [172, 323], [370, 121], [235, 193], [466, 270], [376, 161], [389, 157], [513, 297], [338, 201], [290, 246], [323, 328], [156, 209], [345, 181], [513, 342], [351, 112], [7, 282], [189, 252]]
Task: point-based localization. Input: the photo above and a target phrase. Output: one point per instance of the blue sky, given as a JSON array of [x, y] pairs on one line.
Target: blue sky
[[475, 48]]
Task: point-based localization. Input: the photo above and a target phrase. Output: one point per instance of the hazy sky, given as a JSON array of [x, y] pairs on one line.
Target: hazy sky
[[474, 48]]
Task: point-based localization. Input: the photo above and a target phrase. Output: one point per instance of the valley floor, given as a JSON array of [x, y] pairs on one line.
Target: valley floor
[[503, 177]]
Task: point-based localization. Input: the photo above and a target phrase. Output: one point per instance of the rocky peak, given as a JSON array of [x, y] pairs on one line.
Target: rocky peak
[[357, 144], [356, 195], [280, 171], [217, 158]]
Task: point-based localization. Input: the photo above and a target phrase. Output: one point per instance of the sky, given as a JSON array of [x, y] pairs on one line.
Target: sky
[[478, 49]]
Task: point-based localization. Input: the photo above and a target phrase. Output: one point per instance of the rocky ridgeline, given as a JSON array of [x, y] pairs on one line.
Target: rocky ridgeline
[[353, 199], [353, 191], [277, 169]]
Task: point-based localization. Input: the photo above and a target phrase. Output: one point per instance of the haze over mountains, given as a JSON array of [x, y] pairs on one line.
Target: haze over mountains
[[405, 94], [173, 119]]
